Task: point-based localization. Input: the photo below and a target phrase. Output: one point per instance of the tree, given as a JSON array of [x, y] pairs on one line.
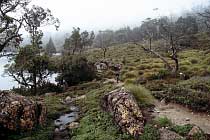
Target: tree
[[205, 17], [122, 35], [35, 18], [29, 18], [103, 40], [86, 39], [11, 23], [173, 31], [75, 69], [30, 69], [78, 41], [149, 29], [50, 47]]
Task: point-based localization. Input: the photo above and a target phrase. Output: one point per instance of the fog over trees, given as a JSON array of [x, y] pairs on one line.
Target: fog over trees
[[143, 81]]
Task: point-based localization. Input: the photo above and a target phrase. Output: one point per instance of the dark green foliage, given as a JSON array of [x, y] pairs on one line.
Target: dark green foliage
[[163, 122], [50, 87], [95, 123], [78, 41], [182, 130], [50, 47], [30, 69], [194, 96], [75, 70], [160, 75], [150, 133]]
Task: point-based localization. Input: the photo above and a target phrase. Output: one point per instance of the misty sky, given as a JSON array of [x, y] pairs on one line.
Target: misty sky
[[113, 14]]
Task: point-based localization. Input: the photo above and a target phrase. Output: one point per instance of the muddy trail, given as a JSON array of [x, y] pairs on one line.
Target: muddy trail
[[67, 121], [178, 114], [181, 115]]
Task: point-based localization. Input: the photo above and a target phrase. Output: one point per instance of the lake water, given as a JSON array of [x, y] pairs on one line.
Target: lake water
[[7, 82]]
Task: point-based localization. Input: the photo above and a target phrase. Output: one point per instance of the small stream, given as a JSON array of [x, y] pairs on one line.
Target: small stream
[[65, 119], [61, 124]]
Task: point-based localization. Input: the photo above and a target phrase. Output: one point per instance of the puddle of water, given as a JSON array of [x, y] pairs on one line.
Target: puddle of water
[[66, 119]]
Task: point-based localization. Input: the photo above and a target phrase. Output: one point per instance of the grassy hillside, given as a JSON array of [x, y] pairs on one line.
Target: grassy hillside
[[140, 71]]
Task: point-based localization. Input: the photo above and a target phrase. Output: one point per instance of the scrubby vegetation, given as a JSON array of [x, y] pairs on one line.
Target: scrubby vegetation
[[165, 58], [141, 94], [74, 70]]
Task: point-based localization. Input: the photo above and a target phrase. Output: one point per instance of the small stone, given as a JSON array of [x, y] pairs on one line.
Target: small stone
[[68, 98], [56, 130], [73, 125], [74, 109], [187, 119], [194, 130], [166, 134], [163, 101], [50, 94]]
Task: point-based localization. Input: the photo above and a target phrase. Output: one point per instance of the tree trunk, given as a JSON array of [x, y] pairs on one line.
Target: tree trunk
[[150, 43], [105, 50], [174, 55], [35, 84]]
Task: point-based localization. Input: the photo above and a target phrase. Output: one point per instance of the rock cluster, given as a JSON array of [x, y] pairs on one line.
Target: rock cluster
[[125, 110], [166, 134], [18, 113]]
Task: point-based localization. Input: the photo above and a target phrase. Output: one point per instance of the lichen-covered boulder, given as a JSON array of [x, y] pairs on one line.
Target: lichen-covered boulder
[[18, 113], [125, 110]]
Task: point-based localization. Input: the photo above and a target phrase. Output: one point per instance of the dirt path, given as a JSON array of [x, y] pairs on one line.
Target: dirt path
[[178, 114], [181, 115], [119, 84]]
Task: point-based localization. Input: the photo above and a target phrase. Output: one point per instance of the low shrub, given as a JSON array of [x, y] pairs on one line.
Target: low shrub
[[130, 81], [161, 74], [75, 70], [150, 133], [142, 95], [207, 61], [129, 75], [194, 61], [182, 130], [144, 66], [197, 100], [163, 122], [50, 87]]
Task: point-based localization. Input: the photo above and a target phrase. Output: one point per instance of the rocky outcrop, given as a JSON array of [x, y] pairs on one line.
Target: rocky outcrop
[[166, 134], [18, 113], [127, 115]]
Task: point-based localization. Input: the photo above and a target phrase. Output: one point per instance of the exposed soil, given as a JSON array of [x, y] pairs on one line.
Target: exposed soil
[[181, 115]]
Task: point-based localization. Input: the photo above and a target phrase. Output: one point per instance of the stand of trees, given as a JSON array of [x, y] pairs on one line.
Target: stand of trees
[[50, 48], [78, 41], [175, 33], [30, 69]]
